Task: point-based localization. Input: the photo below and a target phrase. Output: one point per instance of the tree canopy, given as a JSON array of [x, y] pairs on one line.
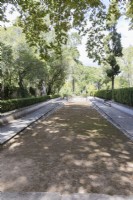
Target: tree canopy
[[45, 52], [23, 71], [104, 42]]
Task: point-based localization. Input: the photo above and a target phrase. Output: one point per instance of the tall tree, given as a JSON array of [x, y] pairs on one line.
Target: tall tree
[[104, 43], [129, 12], [113, 47], [126, 63], [6, 69], [22, 64], [40, 19]]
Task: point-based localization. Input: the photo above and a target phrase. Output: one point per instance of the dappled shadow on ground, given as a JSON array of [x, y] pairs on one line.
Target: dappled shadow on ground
[[74, 150]]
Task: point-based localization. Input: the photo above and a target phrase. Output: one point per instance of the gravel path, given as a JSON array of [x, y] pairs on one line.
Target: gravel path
[[74, 150]]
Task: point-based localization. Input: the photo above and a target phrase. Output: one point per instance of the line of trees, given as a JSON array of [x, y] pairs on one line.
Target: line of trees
[[40, 50], [104, 42], [24, 73]]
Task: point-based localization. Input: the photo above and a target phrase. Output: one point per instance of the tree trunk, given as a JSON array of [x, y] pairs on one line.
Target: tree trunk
[[113, 82], [113, 78], [49, 90], [21, 87], [2, 90], [73, 85]]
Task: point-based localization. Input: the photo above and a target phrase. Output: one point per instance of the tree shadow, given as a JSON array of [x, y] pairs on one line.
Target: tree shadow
[[74, 151]]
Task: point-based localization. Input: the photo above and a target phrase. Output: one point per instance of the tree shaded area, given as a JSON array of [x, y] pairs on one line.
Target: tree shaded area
[[23, 73], [87, 154]]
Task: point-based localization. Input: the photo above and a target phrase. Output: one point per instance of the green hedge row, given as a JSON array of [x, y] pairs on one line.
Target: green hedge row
[[122, 95], [104, 94], [12, 104]]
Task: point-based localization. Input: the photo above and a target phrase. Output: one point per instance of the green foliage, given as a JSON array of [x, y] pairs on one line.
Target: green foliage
[[28, 70], [129, 12], [83, 80], [122, 95], [104, 94], [95, 41], [113, 14], [42, 19], [54, 96], [32, 91], [19, 66], [126, 63], [6, 69], [8, 105], [105, 48]]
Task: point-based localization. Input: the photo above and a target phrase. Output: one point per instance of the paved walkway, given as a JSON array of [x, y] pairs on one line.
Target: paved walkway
[[14, 127], [120, 119]]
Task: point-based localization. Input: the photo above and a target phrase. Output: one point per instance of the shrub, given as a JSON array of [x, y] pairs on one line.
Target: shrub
[[12, 104], [122, 95], [32, 91], [55, 96], [104, 94], [92, 92]]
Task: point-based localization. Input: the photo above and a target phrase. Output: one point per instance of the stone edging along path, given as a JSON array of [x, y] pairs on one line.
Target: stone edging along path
[[14, 127], [118, 117], [15, 114], [121, 107], [58, 196]]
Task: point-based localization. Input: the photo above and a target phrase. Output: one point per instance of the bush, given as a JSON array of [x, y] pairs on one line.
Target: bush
[[32, 91], [122, 95], [92, 92], [104, 94], [55, 96], [12, 104]]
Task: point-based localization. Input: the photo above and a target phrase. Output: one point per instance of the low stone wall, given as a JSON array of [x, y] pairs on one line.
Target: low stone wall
[[6, 118]]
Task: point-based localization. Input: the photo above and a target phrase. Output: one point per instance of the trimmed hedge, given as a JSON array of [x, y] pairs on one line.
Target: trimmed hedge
[[122, 95], [104, 94], [12, 104], [54, 96]]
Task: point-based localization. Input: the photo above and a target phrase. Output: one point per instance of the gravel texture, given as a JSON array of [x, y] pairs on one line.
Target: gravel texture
[[74, 150]]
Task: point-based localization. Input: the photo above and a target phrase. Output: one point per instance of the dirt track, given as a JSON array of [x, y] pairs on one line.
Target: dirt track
[[74, 150]]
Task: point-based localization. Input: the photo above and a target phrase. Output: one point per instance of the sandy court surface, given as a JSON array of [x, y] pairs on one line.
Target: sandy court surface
[[73, 150]]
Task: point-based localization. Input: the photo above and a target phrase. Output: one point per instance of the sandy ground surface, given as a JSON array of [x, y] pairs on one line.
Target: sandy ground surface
[[74, 150]]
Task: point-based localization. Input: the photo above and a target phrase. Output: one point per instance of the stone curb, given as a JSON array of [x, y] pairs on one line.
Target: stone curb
[[23, 111], [121, 107], [27, 124], [58, 196], [111, 120]]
